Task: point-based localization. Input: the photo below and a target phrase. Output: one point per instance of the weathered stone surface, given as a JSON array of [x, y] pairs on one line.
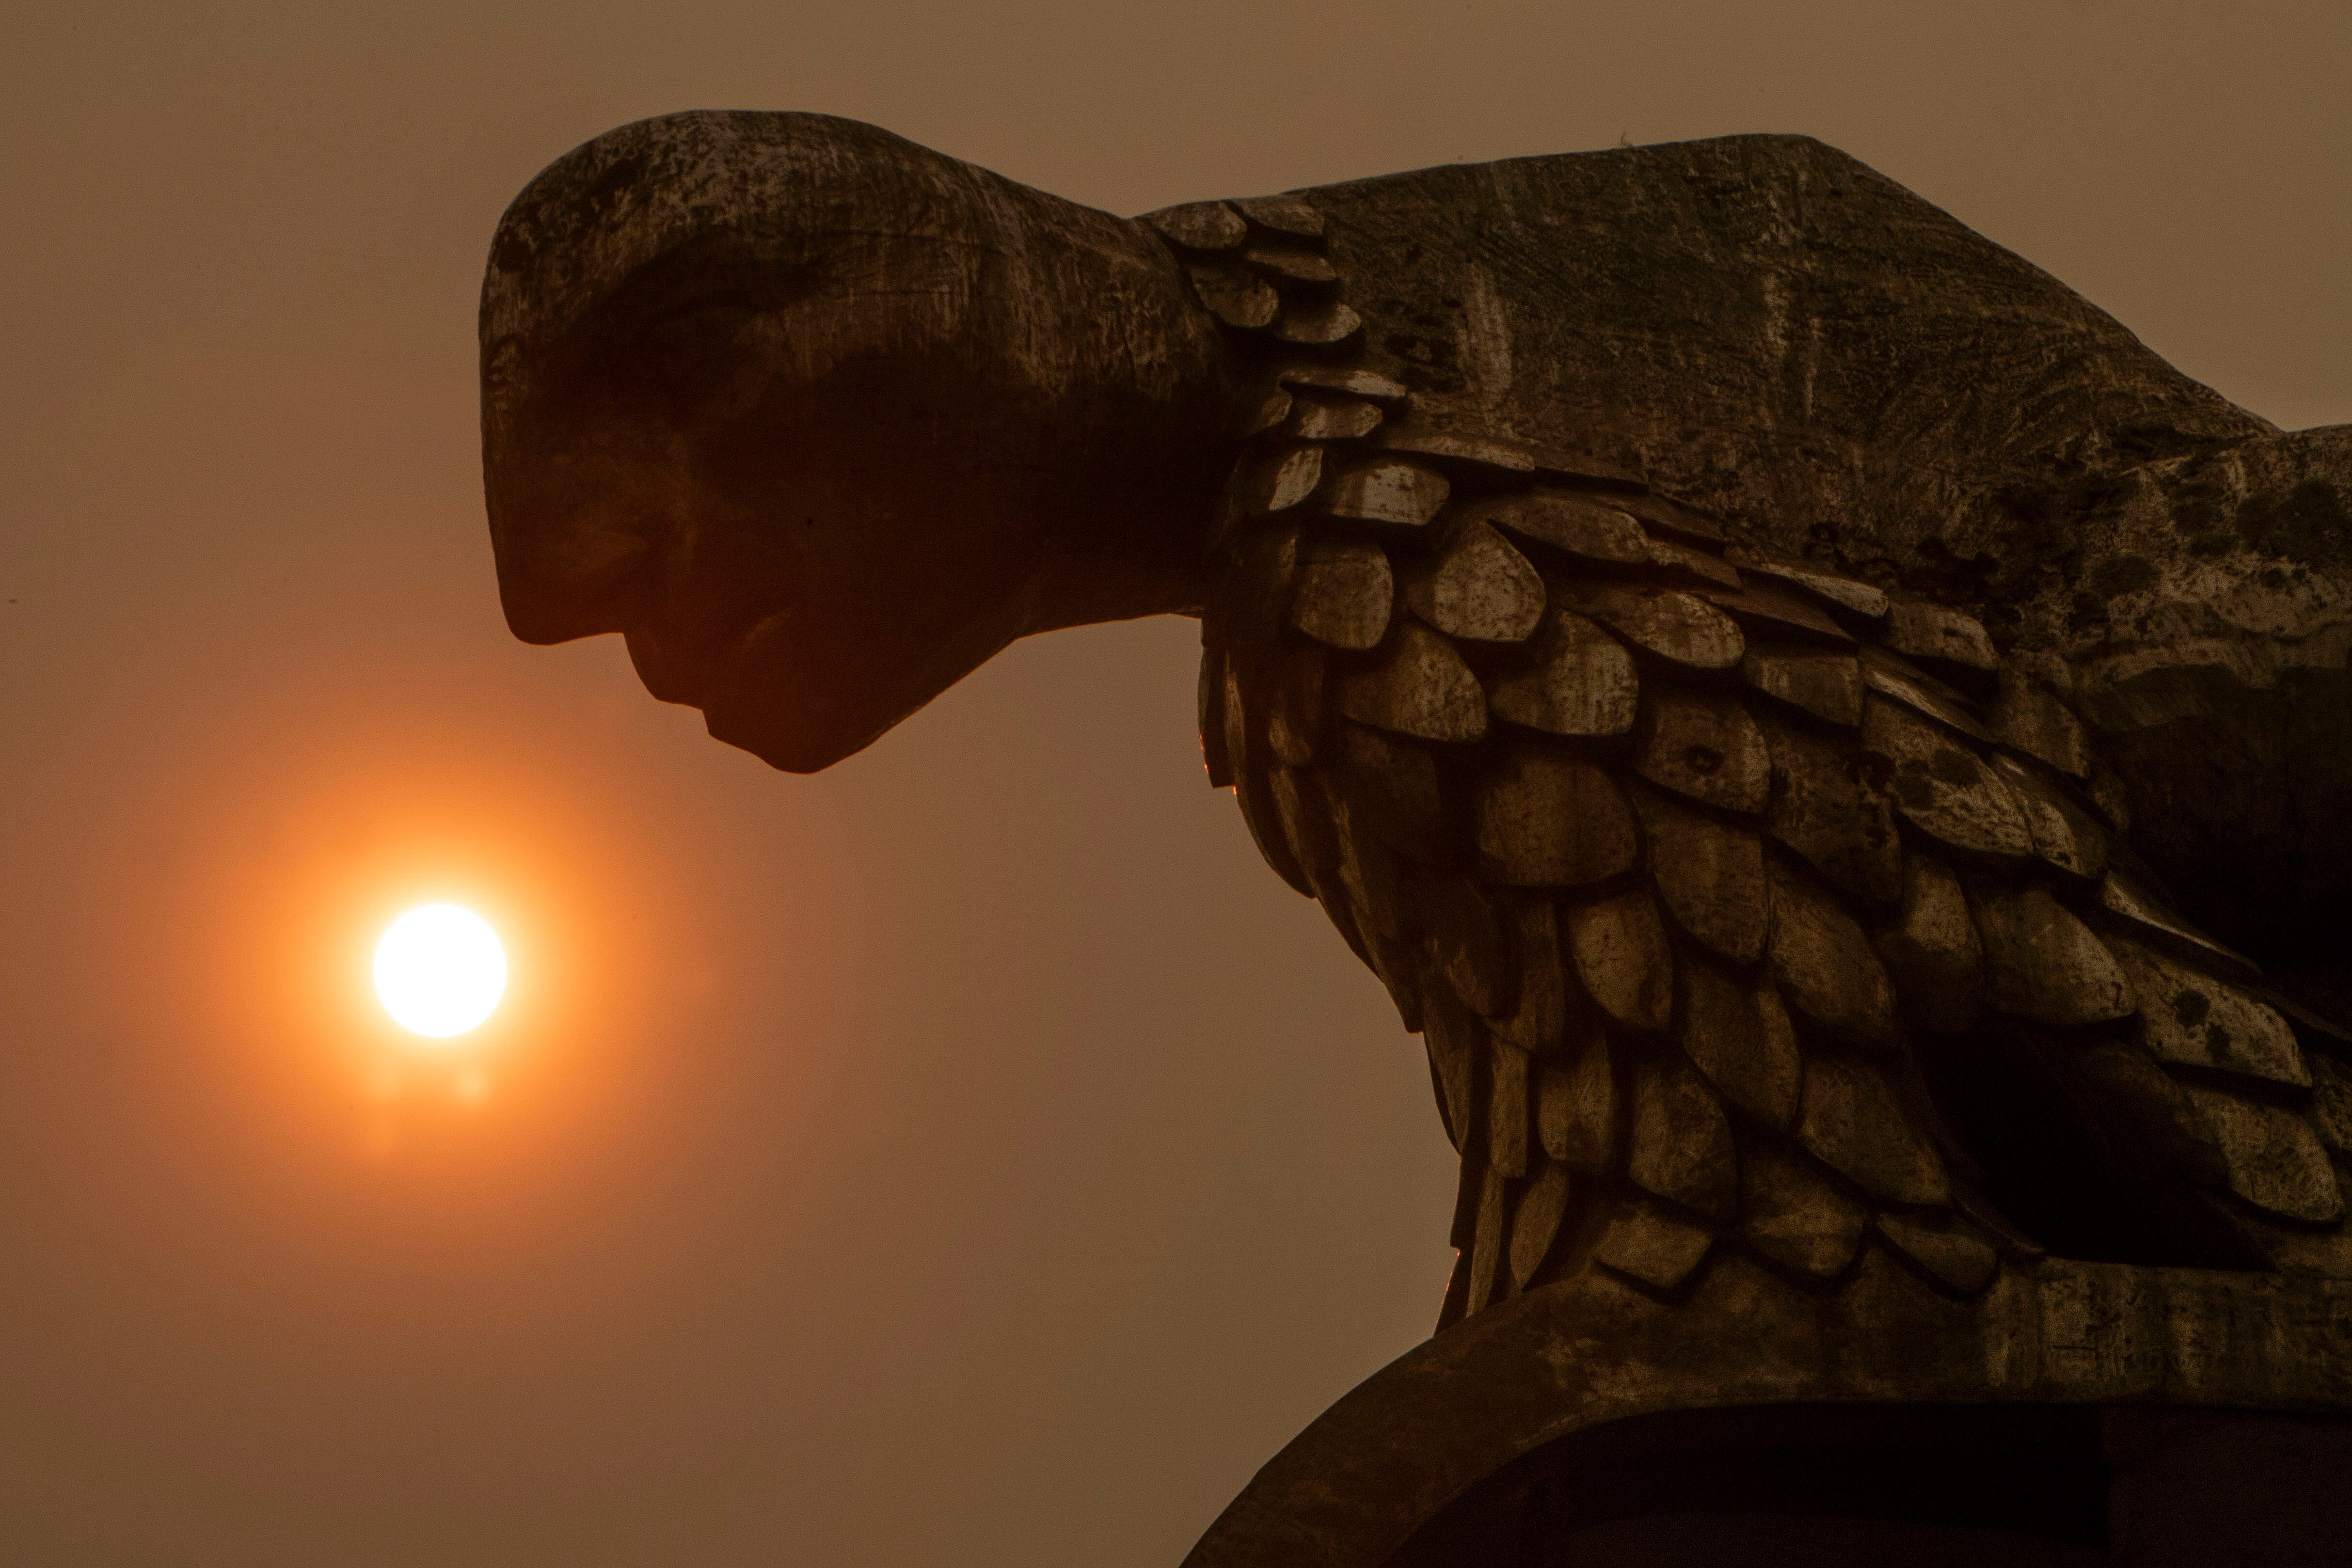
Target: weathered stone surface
[[1291, 263], [1478, 589], [1581, 468], [1537, 1021], [1508, 1110], [2331, 1105], [1320, 419], [1306, 821], [1826, 967], [1739, 1337], [1387, 958], [2199, 1021], [1293, 216], [1461, 1229], [1535, 1224], [1257, 592], [1456, 1044], [1681, 1146], [2042, 963], [1577, 525], [2109, 795], [1403, 494], [1469, 942], [1695, 565], [1481, 455], [1233, 297], [2124, 895], [1390, 790], [1932, 950], [2273, 1157], [1420, 687], [1704, 747], [1580, 683], [1486, 1262], [1245, 744], [1763, 609], [1545, 818], [2064, 835], [1675, 626], [1619, 949], [2028, 717], [1738, 1035], [1830, 807], [1824, 683], [1270, 413], [1200, 225], [1901, 682], [1650, 1243], [2148, 1105], [1328, 882], [1368, 870], [1343, 594], [1208, 699], [1938, 636], [1279, 480], [1850, 1121], [1949, 1254], [1665, 515], [1794, 1216], [2312, 1031], [1709, 875], [1943, 787], [1267, 830], [1576, 1107], [1857, 600], [1352, 380], [1293, 713], [1318, 323]]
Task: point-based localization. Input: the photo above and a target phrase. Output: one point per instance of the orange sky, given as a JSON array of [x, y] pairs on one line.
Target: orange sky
[[970, 1155]]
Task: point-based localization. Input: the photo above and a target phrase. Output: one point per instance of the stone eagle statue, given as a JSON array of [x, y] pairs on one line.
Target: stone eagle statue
[[1842, 754]]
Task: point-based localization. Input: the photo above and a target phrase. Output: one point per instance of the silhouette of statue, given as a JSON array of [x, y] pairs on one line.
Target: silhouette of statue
[[1844, 756]]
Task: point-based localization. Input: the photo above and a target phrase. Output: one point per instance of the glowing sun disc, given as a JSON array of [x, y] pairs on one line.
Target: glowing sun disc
[[440, 970]]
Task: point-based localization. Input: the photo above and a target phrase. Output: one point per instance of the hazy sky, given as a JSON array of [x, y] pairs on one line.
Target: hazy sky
[[972, 1155]]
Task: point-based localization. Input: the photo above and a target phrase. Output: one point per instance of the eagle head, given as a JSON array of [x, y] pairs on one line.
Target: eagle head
[[820, 420]]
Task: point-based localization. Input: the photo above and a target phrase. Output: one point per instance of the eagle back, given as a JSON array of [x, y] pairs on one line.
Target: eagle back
[[1740, 904]]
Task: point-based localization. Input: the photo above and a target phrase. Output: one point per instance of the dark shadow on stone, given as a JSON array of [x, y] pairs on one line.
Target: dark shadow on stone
[[1814, 1484], [1914, 1487]]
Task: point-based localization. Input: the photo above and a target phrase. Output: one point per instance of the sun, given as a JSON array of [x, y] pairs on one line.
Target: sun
[[440, 970]]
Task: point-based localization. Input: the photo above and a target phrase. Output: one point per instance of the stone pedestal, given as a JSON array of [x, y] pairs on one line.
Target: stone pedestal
[[2094, 1414]]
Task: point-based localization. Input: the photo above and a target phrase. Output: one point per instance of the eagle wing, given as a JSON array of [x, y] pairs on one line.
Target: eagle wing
[[1740, 904]]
